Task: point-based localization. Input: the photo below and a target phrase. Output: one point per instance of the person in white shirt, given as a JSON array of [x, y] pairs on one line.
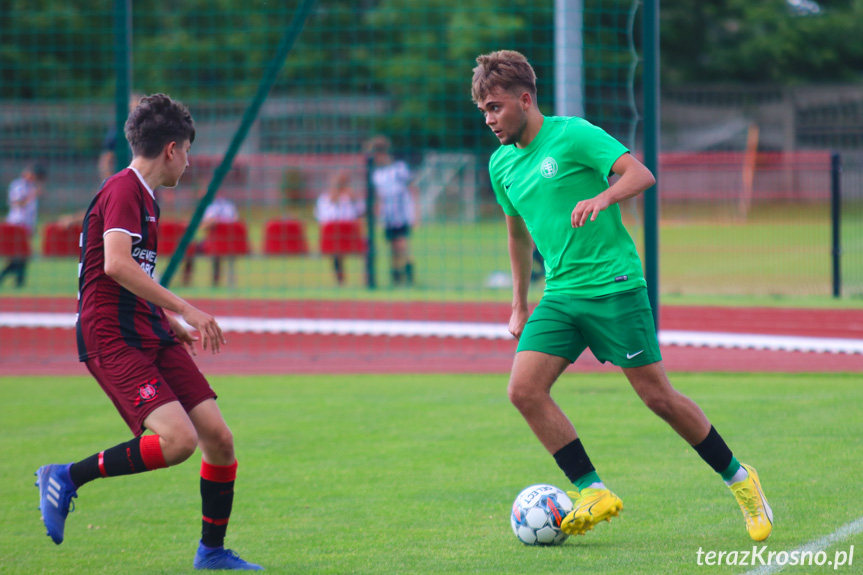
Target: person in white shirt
[[339, 204], [24, 195], [221, 210], [397, 204]]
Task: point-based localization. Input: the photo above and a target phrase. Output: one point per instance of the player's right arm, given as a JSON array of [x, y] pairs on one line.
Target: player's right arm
[[521, 260], [123, 269]]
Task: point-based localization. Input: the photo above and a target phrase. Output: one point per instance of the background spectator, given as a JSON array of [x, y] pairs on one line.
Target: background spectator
[[24, 195], [338, 204]]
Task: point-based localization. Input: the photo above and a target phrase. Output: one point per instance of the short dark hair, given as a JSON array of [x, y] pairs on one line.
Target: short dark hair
[[378, 145], [157, 121], [38, 170], [505, 69]]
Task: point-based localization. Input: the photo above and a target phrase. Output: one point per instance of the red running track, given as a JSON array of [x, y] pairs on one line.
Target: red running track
[[52, 351]]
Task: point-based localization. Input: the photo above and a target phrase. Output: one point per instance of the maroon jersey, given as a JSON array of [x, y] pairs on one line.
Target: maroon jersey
[[109, 315]]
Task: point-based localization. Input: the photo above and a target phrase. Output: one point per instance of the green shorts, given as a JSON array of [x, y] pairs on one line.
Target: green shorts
[[617, 328]]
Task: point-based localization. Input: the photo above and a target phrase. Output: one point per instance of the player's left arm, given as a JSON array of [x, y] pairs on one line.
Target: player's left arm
[[634, 179], [121, 267]]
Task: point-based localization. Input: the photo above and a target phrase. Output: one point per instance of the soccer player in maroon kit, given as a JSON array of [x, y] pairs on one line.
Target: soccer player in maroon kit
[[136, 351]]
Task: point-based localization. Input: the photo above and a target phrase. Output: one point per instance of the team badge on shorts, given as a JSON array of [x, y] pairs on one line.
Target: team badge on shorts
[[147, 391]]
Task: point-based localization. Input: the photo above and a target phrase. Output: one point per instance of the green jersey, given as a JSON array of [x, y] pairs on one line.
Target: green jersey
[[569, 160]]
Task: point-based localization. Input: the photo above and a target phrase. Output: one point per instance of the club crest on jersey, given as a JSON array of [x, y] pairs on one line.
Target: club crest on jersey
[[548, 168], [147, 391]]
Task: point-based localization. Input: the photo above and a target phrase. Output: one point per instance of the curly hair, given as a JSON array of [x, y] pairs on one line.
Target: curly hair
[[505, 69], [157, 121]]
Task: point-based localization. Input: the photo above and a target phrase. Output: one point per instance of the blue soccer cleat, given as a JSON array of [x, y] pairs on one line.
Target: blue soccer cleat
[[221, 559], [56, 491]]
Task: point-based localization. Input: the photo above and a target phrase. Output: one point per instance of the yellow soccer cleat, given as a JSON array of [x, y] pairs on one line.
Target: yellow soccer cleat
[[756, 510], [590, 506]]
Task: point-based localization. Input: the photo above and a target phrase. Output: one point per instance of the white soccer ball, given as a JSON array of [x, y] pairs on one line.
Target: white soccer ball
[[537, 513]]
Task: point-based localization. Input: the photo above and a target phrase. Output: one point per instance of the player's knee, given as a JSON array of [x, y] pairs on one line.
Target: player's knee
[[178, 447], [521, 395], [218, 445], [223, 444]]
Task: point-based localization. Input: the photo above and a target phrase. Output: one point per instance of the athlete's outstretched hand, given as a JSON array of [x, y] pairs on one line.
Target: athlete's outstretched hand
[[207, 325], [586, 208]]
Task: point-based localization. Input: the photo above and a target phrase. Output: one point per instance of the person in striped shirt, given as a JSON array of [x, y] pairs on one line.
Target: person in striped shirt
[[397, 204]]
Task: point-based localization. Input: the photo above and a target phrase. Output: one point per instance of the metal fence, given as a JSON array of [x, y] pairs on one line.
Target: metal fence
[[731, 224]]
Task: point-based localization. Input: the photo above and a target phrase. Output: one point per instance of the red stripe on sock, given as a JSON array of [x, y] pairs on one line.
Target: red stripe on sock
[[102, 471], [151, 452], [218, 473], [215, 521]]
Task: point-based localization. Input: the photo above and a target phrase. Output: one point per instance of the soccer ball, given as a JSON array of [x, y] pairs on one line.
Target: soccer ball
[[537, 513]]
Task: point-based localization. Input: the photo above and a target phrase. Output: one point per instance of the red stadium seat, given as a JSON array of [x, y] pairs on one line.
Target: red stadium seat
[[285, 237], [170, 234], [59, 241], [227, 239], [14, 241], [341, 238]]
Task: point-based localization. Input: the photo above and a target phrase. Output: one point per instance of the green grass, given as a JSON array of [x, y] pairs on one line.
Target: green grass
[[779, 256], [416, 474]]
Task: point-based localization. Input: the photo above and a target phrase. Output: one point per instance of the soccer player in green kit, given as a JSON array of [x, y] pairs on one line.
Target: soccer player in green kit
[[550, 176]]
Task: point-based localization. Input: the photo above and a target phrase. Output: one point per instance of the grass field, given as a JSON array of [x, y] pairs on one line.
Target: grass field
[[416, 474], [768, 262]]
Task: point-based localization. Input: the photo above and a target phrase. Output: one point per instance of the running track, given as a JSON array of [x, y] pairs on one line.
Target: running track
[[51, 351]]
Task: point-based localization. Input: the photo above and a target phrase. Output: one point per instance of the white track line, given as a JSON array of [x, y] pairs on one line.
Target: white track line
[[465, 330], [758, 341], [822, 544]]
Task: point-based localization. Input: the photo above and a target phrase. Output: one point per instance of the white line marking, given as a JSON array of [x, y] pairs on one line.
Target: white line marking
[[759, 341], [822, 544], [465, 330]]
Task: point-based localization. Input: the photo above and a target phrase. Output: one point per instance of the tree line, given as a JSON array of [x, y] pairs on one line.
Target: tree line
[[419, 55]]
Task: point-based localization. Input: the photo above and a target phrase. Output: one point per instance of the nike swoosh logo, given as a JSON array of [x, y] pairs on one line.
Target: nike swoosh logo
[[508, 186], [631, 355]]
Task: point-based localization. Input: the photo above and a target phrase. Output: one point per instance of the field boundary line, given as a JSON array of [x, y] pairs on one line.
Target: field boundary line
[[471, 330], [821, 544]]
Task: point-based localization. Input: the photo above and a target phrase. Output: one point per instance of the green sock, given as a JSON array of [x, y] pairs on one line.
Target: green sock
[[587, 480], [732, 468]]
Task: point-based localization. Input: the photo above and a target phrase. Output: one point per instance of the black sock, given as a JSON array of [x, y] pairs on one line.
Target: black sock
[[573, 460], [409, 273], [136, 456], [18, 267], [714, 451], [217, 499], [187, 271], [217, 270], [21, 271], [339, 268]]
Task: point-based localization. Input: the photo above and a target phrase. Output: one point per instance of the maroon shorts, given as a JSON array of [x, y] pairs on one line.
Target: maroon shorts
[[140, 380]]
